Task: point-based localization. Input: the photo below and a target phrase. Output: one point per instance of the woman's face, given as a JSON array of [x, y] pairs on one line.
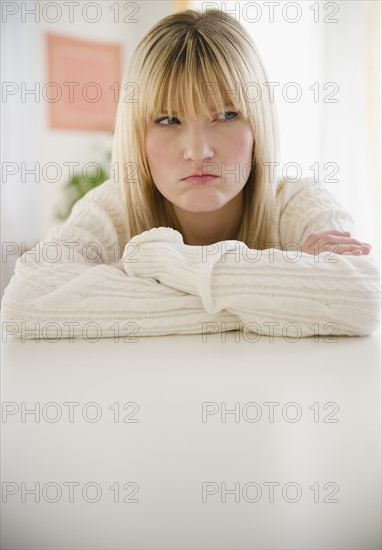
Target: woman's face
[[220, 144]]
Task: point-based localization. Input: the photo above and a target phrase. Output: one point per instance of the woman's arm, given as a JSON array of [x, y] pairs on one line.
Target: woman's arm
[[68, 287], [326, 294], [272, 289]]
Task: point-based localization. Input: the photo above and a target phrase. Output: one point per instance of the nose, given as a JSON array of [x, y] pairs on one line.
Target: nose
[[197, 145]]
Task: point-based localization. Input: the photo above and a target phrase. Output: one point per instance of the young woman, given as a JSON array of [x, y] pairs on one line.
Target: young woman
[[194, 232]]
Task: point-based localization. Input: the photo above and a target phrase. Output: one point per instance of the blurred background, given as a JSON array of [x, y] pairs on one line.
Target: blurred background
[[62, 64]]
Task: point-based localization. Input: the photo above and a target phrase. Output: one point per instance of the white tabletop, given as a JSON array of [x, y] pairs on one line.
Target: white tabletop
[[159, 474]]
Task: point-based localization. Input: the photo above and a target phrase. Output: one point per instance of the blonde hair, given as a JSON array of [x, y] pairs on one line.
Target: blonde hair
[[179, 53]]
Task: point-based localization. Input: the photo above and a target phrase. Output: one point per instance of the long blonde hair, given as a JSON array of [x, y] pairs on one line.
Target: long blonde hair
[[182, 57]]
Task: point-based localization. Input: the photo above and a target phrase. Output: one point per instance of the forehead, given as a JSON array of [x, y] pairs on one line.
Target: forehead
[[205, 96], [209, 105]]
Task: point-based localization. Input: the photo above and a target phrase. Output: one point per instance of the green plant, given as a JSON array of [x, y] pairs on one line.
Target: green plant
[[80, 184]]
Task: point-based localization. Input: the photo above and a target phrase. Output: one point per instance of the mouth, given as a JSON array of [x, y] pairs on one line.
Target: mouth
[[200, 180]]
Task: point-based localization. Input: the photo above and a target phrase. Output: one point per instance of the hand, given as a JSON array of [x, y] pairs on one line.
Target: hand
[[339, 242]]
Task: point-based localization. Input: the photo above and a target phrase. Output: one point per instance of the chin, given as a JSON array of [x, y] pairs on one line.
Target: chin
[[202, 206], [206, 202]]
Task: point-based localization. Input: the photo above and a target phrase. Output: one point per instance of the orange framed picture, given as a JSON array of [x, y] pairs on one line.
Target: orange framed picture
[[83, 83]]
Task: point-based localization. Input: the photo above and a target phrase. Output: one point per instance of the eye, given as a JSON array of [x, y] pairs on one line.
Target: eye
[[158, 121], [234, 113]]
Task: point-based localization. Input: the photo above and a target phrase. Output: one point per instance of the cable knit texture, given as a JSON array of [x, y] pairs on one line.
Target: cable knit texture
[[64, 289]]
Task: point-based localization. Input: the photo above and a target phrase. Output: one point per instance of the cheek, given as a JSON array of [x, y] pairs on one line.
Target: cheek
[[158, 155], [239, 147], [152, 150], [244, 144]]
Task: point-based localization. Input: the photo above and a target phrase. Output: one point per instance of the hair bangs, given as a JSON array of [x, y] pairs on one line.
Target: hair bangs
[[196, 80]]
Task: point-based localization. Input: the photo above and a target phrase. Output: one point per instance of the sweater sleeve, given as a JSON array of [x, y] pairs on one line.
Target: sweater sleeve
[[281, 292], [64, 289], [307, 207]]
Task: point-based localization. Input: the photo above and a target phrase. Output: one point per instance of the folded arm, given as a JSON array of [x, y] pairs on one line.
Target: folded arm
[[322, 291], [65, 287]]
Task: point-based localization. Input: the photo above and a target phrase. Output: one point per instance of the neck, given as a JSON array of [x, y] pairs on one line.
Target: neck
[[204, 228]]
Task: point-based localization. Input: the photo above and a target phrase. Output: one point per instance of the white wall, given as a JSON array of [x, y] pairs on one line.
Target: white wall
[[28, 207], [352, 57]]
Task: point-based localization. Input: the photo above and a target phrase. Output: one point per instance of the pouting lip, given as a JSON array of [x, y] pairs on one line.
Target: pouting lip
[[200, 175]]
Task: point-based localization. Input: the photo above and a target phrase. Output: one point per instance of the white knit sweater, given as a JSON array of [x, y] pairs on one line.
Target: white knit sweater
[[64, 289]]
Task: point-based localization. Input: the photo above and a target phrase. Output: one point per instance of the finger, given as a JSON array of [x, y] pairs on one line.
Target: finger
[[338, 248], [366, 248], [346, 248], [336, 232], [359, 252], [314, 237], [354, 253], [343, 240]]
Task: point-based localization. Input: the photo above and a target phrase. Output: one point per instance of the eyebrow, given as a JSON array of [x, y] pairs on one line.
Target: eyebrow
[[164, 112]]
